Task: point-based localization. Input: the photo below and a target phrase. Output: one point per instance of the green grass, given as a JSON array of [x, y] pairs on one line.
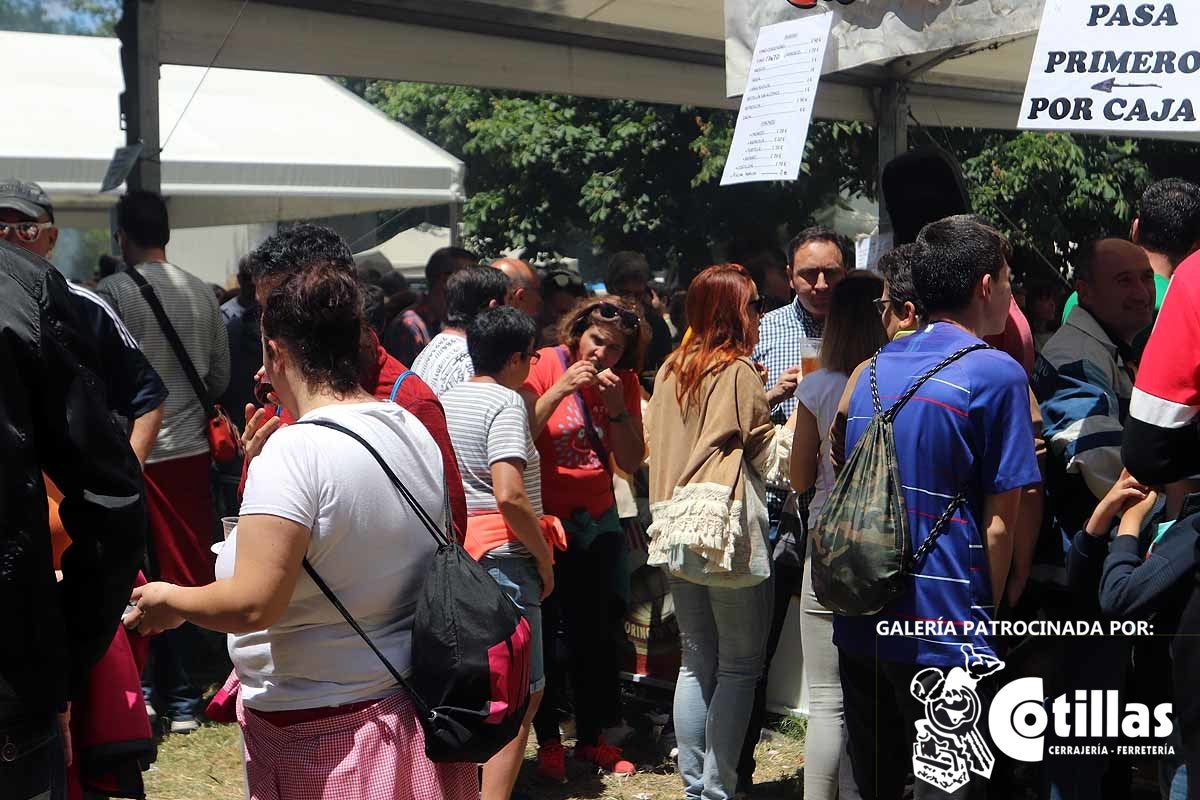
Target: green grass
[[205, 765]]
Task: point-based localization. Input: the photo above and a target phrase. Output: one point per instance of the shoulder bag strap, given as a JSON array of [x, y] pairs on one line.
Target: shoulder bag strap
[[168, 330], [589, 426]]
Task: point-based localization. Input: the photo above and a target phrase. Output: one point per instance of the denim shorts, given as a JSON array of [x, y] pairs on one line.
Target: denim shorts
[[519, 579]]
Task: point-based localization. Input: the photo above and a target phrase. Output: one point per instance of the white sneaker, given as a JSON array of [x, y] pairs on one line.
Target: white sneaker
[[152, 714], [186, 725]]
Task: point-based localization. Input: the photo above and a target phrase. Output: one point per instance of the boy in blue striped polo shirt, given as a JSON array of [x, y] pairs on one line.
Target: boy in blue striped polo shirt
[[968, 428]]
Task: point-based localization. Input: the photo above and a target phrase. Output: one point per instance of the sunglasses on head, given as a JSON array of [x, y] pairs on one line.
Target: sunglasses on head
[[611, 312], [24, 231]]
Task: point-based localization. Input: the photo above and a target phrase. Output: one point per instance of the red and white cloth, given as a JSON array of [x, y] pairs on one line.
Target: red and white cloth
[[375, 753]]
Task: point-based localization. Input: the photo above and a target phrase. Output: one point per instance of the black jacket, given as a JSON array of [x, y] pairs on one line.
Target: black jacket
[[53, 418]]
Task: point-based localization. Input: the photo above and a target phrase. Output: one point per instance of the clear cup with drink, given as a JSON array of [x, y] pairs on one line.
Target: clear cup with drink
[[810, 355]]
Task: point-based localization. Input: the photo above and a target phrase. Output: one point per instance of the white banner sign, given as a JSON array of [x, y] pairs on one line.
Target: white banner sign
[[772, 125], [1129, 67]]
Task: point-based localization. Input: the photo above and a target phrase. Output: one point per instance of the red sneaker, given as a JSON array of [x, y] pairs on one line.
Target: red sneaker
[[606, 757], [552, 762]]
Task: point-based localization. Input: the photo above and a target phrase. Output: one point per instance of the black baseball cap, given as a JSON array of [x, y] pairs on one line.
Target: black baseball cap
[[26, 197]]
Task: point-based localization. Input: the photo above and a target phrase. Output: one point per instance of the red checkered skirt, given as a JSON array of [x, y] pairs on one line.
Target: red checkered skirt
[[376, 753]]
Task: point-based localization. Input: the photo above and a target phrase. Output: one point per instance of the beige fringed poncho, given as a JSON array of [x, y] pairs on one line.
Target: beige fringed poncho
[[708, 466]]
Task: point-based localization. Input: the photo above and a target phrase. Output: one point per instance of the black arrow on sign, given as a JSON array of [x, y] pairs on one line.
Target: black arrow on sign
[[1110, 84]]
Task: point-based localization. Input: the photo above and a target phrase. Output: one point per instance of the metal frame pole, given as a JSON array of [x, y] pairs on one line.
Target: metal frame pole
[[138, 31], [891, 131]]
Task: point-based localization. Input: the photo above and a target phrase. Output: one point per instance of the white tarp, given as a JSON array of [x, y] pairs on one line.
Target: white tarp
[[252, 147]]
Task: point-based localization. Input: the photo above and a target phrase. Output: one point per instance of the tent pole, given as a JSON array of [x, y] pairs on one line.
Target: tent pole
[[891, 131], [138, 31], [456, 224]]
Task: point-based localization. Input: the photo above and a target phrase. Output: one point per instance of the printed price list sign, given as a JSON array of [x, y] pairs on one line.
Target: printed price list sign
[[772, 124]]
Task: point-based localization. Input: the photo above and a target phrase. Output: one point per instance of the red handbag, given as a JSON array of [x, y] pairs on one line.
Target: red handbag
[[223, 440]]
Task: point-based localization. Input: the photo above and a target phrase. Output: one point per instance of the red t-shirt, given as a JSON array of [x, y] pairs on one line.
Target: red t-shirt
[[1017, 339], [572, 475], [419, 400]]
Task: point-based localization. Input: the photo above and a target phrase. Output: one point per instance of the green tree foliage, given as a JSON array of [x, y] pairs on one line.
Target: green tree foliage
[[545, 171], [81, 17]]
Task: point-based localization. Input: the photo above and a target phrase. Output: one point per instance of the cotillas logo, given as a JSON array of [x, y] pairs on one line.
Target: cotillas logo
[[1020, 717], [948, 745]]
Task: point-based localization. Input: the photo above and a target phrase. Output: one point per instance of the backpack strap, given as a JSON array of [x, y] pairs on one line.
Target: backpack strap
[[890, 414], [438, 536], [589, 427], [938, 529], [399, 382]]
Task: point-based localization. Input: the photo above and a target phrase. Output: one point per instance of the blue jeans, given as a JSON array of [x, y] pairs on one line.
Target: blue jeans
[[519, 579], [166, 679], [723, 633]]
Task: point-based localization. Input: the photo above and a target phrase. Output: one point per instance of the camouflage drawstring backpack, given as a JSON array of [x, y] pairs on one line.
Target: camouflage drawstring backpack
[[860, 545]]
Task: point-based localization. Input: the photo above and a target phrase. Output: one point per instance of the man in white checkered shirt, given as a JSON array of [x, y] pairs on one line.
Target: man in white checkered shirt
[[818, 258]]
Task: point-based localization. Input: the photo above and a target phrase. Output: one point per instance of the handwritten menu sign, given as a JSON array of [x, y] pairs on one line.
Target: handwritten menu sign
[[772, 125]]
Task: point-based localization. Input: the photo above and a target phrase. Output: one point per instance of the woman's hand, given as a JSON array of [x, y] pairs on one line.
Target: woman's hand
[[612, 392], [580, 374], [154, 613], [259, 427]]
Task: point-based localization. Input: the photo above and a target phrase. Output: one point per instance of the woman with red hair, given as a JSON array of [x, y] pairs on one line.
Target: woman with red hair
[[712, 445]]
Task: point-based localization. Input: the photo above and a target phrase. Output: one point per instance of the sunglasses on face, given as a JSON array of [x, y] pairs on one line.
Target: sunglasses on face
[[533, 357], [881, 305], [811, 275], [24, 231], [759, 305]]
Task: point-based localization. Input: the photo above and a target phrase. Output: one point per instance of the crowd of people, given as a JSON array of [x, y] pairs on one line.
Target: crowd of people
[[1044, 471]]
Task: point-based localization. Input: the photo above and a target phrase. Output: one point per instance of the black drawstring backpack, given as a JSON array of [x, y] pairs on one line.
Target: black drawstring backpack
[[470, 645]]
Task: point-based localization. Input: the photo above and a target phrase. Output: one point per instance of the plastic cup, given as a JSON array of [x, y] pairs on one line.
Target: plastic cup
[[228, 524], [810, 356]]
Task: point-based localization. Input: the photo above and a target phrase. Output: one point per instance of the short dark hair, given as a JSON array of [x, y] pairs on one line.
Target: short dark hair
[[623, 266], [317, 312], [297, 248], [896, 267], [952, 255], [494, 335], [819, 233], [143, 217], [374, 306], [446, 260], [1169, 218], [470, 291]]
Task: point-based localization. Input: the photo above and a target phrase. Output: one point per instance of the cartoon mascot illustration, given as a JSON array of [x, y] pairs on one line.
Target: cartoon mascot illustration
[[948, 745]]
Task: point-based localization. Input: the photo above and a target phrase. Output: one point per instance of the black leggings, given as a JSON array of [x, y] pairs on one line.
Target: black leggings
[[591, 614]]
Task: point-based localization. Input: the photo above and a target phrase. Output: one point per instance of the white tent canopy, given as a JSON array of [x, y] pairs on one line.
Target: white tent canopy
[[252, 146], [663, 51]]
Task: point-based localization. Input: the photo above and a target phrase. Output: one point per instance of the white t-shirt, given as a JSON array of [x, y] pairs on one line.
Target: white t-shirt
[[444, 363], [820, 392], [490, 423], [367, 544]]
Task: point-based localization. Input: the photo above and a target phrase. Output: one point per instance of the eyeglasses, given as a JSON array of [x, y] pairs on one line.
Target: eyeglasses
[[24, 231], [611, 312], [811, 275], [881, 304], [759, 305]]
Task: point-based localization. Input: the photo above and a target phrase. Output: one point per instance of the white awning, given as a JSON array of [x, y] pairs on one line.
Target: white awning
[[252, 146]]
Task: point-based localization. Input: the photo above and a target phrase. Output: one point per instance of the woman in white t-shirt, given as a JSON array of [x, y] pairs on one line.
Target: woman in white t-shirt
[[319, 711], [853, 332]]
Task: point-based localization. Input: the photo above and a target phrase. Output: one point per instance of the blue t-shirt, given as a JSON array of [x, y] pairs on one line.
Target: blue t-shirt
[[970, 423]]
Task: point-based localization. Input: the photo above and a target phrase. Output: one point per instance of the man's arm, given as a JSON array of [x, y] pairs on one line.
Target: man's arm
[[145, 433], [1029, 517], [837, 431], [1000, 520], [217, 380], [86, 454], [1161, 440], [1081, 419]]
